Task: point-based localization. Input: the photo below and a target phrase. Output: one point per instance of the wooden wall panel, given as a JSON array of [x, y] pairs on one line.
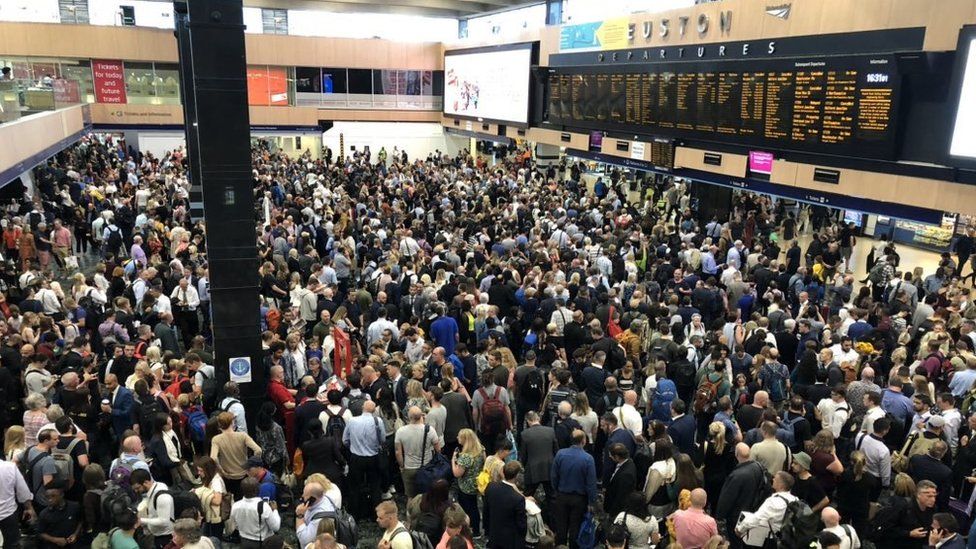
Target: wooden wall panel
[[871, 14], [784, 173], [836, 16], [733, 165], [945, 19]]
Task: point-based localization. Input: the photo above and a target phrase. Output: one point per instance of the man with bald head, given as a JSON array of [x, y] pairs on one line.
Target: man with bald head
[[120, 405], [131, 456], [692, 527], [750, 416], [415, 445], [630, 417], [848, 536], [364, 436], [742, 491], [311, 512]]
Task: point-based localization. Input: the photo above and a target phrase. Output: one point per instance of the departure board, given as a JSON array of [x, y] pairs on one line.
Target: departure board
[[839, 105]]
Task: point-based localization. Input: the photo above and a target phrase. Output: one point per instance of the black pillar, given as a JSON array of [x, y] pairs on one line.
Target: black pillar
[[213, 67]]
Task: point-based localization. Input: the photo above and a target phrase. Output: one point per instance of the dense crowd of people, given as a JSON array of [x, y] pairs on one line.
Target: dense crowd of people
[[470, 351]]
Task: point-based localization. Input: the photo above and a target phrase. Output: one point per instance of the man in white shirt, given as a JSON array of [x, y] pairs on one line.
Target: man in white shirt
[[848, 537], [314, 508], [156, 509], [872, 401], [953, 418], [395, 534], [185, 301], [754, 528], [13, 491], [628, 415], [844, 351], [257, 519], [834, 411], [409, 246]]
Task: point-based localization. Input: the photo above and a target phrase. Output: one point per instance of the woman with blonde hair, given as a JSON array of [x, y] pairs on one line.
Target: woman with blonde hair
[[586, 417], [154, 357], [466, 464], [416, 396], [14, 443], [332, 490], [719, 459], [856, 489]]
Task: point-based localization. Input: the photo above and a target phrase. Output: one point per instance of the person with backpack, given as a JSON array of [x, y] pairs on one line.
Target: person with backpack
[[491, 410], [39, 468], [231, 403], [395, 534], [158, 509], [530, 390], [775, 379], [768, 519], [256, 519], [70, 456]]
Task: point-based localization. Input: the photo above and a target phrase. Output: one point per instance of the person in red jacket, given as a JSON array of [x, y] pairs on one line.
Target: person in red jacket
[[284, 403]]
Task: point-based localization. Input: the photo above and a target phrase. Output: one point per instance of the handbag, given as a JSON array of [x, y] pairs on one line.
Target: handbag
[[298, 462], [586, 539], [899, 460], [435, 469]]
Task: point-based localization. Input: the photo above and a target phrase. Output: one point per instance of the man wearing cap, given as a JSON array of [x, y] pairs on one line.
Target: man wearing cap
[[266, 480], [807, 487]]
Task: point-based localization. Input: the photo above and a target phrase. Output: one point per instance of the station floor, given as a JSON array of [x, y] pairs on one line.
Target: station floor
[[911, 257]]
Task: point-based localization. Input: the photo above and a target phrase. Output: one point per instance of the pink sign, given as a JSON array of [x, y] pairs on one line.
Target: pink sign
[[761, 162], [109, 81]]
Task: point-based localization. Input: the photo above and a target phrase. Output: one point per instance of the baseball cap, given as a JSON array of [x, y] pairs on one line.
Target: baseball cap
[[935, 422], [254, 461]]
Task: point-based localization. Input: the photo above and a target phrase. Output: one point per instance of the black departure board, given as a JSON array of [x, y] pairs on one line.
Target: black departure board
[[838, 105]]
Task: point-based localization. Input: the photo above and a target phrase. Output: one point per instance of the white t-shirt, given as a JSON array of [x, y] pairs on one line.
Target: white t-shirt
[[833, 414]]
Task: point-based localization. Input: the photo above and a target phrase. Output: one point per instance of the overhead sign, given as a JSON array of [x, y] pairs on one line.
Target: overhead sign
[[109, 80], [240, 369], [599, 35]]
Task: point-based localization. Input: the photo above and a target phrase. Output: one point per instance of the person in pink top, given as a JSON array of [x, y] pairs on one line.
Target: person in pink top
[[60, 242], [692, 527]]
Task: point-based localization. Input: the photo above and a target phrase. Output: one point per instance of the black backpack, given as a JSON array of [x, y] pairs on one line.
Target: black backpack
[[208, 390], [182, 500], [430, 524], [336, 424], [345, 525], [532, 387], [800, 525], [886, 519], [114, 240], [147, 415]]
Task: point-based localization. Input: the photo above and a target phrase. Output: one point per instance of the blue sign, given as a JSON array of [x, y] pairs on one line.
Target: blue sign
[[240, 369]]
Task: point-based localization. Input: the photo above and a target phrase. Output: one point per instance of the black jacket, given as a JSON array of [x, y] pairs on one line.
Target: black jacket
[[924, 467], [505, 516], [323, 455], [682, 432], [741, 491], [622, 483]]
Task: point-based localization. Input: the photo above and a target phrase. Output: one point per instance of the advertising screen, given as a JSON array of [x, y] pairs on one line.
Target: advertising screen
[[963, 143], [761, 162], [489, 85]]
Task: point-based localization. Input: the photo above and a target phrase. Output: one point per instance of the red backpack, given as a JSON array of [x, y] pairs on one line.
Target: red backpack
[[492, 411]]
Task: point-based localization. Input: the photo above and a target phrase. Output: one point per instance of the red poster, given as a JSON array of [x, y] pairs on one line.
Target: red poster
[[267, 86], [66, 91], [109, 81]]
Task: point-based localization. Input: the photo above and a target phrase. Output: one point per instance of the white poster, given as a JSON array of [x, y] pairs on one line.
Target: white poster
[[493, 85], [637, 150], [240, 369], [964, 133]]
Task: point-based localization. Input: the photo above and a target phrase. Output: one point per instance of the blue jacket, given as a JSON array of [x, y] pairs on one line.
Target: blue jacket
[[574, 472], [123, 410], [682, 432]]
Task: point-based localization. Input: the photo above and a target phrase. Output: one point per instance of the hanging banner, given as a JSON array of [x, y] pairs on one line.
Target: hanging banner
[[611, 34], [109, 79]]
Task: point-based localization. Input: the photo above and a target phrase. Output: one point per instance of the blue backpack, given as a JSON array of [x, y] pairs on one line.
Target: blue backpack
[[789, 432], [196, 420], [664, 394]]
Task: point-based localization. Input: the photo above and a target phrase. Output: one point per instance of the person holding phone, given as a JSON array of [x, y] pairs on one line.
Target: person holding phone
[[313, 505], [945, 532]]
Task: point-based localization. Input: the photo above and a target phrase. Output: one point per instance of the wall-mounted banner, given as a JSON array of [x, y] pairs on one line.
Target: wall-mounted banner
[[611, 34], [109, 79], [637, 150]]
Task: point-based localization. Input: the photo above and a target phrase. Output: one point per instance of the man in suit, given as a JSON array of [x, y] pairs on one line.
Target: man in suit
[[538, 448], [683, 428], [573, 478], [121, 405], [929, 466], [623, 479], [505, 511], [166, 333]]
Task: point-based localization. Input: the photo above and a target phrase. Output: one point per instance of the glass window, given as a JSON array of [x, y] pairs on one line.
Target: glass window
[[360, 81], [410, 83], [334, 80], [139, 87], [427, 83], [166, 82], [308, 80], [274, 21], [439, 83], [80, 72]]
